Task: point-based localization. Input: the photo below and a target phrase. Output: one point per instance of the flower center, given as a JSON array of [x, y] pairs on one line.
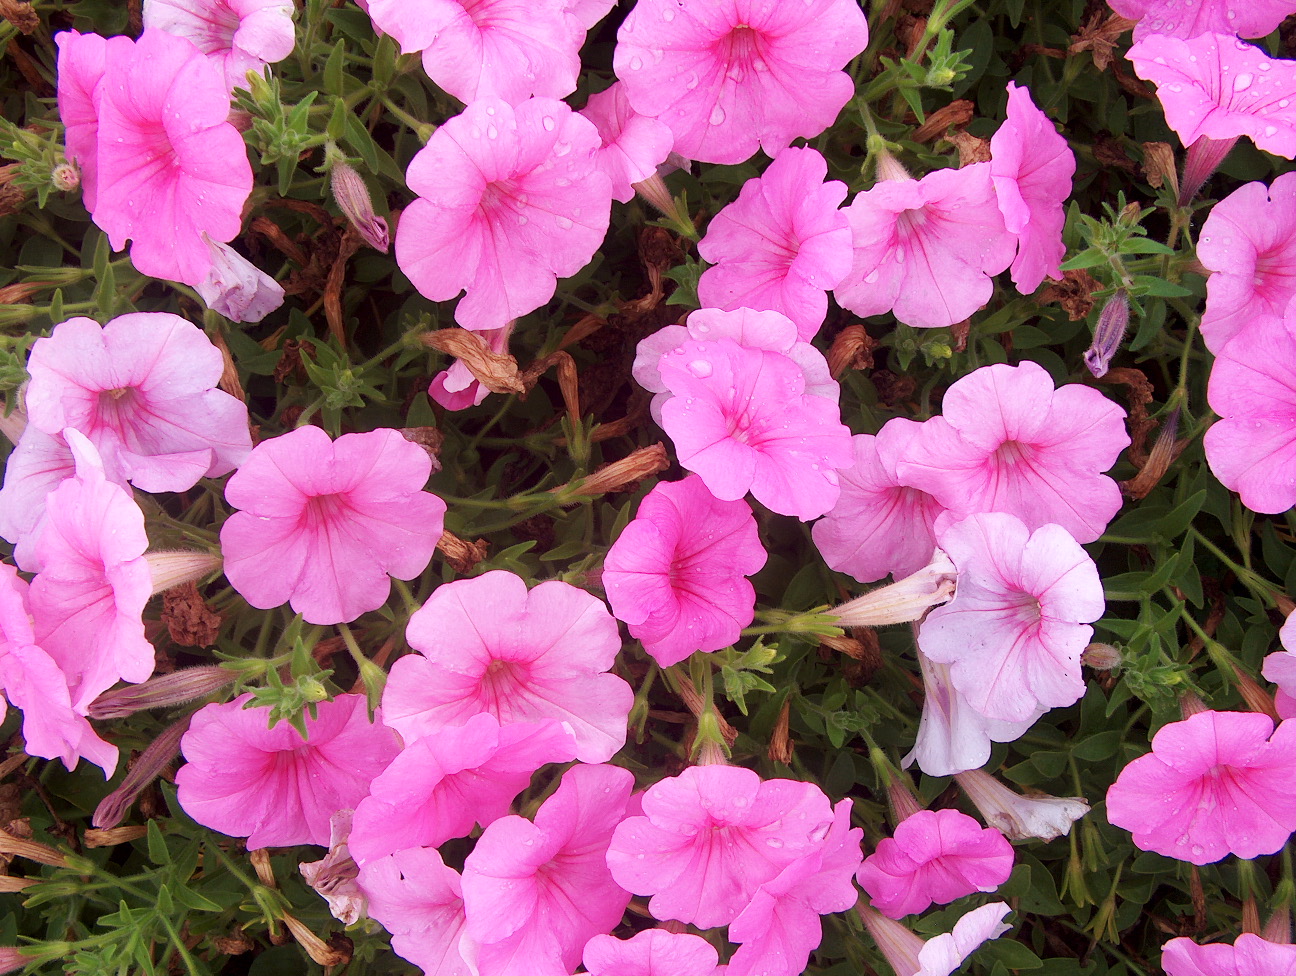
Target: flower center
[[117, 407], [1013, 453], [741, 50], [910, 222], [216, 27]]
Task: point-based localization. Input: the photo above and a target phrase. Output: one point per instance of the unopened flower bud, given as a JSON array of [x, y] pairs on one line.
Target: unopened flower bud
[[654, 190], [164, 691], [902, 601], [1159, 459], [1101, 657], [889, 168], [236, 288], [65, 177], [352, 196], [1190, 705], [13, 424], [619, 475], [161, 751], [780, 746], [1113, 320], [170, 569], [1204, 157]]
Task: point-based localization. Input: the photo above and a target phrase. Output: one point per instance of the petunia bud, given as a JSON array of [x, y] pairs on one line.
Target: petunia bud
[[1101, 657], [1017, 816], [1204, 157], [164, 691], [352, 196], [65, 177], [899, 945], [904, 600], [1159, 459], [112, 808], [235, 288], [1113, 320], [169, 569]]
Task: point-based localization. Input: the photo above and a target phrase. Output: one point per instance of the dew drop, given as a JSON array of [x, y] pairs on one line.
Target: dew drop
[[700, 368], [717, 115], [548, 123], [774, 842], [562, 148], [492, 132], [1242, 82], [522, 220], [636, 63], [691, 81], [490, 109], [564, 223]]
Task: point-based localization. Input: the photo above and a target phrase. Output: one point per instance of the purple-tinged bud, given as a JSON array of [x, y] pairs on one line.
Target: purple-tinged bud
[[353, 200], [169, 569], [236, 288], [161, 692], [1113, 320], [65, 177], [1204, 158], [1101, 657], [112, 808]]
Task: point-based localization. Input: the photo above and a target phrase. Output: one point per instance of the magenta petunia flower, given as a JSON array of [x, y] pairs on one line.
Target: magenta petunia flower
[[81, 63], [1252, 447], [935, 856], [1009, 442], [941, 955], [634, 145], [271, 785], [1250, 955], [1019, 620], [1254, 18], [741, 420], [711, 836], [729, 78], [488, 645], [654, 952], [420, 902], [143, 390], [536, 893], [509, 202], [1280, 668], [879, 525], [926, 249], [324, 523], [449, 780], [1031, 167], [508, 49], [238, 36], [1248, 243], [678, 572], [782, 245], [1216, 783]]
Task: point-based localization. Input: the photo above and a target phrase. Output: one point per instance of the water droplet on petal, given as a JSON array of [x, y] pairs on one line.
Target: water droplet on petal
[[636, 63], [700, 368], [717, 115], [564, 223], [548, 123]]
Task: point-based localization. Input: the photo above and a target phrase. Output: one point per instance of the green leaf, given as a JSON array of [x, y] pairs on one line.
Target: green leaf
[[158, 851]]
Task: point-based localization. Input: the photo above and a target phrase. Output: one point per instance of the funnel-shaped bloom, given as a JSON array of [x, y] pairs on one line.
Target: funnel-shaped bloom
[[678, 572], [1280, 668], [324, 523], [782, 245], [1248, 243], [1020, 817], [1253, 18], [926, 249], [238, 36], [488, 645], [1250, 955], [81, 62], [634, 145], [143, 390], [1216, 783], [941, 955], [271, 785], [509, 202], [1009, 442], [235, 287], [654, 952], [420, 902], [38, 465]]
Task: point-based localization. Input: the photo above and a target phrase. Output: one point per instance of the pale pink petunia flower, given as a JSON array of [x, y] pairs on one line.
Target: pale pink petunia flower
[[508, 49], [455, 387], [420, 902], [654, 952], [89, 595], [1280, 668], [879, 525], [677, 573], [452, 778], [271, 785], [1214, 784], [1031, 167], [711, 836], [1253, 18], [235, 287], [589, 12], [1019, 620], [536, 893], [729, 78], [634, 145], [238, 36], [143, 389], [1008, 441], [39, 463], [941, 955], [1248, 243], [740, 418], [334, 876], [782, 245], [927, 249], [488, 644], [1252, 447], [1020, 817], [935, 856], [509, 202], [1250, 955], [323, 523]]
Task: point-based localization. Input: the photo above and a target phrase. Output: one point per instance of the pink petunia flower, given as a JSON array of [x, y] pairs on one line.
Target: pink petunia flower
[[935, 856], [1031, 167], [1019, 620], [740, 418], [1280, 668], [729, 78], [271, 785], [334, 876], [677, 573], [536, 893], [926, 249], [1009, 442], [782, 245], [711, 836], [238, 36], [879, 525], [488, 645], [1216, 783], [1255, 18], [508, 49], [143, 389], [82, 59], [450, 779], [324, 523], [1250, 955], [236, 288], [420, 902], [941, 955], [39, 464], [1252, 447], [1020, 817], [654, 952], [509, 202], [634, 145]]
